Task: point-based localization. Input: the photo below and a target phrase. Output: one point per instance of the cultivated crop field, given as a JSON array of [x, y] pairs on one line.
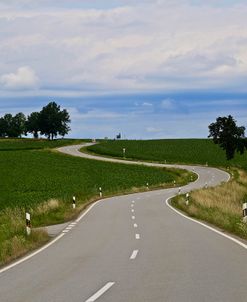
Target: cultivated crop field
[[184, 151], [42, 181]]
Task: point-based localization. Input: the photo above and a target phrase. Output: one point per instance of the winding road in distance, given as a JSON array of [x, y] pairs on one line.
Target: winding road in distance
[[133, 248]]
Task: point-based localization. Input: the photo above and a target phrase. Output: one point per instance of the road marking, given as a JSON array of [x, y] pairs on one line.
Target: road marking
[[33, 254], [205, 225], [137, 236], [134, 254], [135, 225], [133, 217], [133, 201], [100, 292], [132, 206], [132, 210], [47, 245], [73, 223], [65, 231], [69, 227]]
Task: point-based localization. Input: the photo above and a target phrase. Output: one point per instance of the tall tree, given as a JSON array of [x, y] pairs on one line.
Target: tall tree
[[228, 136], [19, 124], [33, 124], [3, 127], [54, 121]]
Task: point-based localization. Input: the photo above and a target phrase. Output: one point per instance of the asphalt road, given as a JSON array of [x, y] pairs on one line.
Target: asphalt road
[[133, 248]]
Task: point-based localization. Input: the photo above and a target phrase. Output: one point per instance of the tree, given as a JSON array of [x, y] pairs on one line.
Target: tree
[[33, 124], [3, 127], [19, 124], [54, 121], [228, 136]]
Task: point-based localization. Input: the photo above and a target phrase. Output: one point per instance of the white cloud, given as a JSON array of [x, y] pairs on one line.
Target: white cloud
[[147, 104], [167, 104], [153, 130], [23, 78], [150, 45]]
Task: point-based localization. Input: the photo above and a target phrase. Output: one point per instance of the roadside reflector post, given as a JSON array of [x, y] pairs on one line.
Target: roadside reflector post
[[100, 191], [124, 150], [206, 164], [187, 199], [147, 185], [245, 212], [191, 178], [73, 202], [179, 191], [174, 183], [206, 185], [28, 223]]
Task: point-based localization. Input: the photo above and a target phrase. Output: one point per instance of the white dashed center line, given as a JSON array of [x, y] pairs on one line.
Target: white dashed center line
[[133, 217], [132, 210], [135, 225], [137, 236], [134, 254], [100, 292]]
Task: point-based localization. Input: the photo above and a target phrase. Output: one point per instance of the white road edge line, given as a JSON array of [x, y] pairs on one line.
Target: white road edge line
[[134, 254], [206, 226], [47, 245], [31, 255], [100, 292]]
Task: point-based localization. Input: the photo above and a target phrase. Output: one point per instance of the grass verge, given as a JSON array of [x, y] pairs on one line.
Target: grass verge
[[221, 206]]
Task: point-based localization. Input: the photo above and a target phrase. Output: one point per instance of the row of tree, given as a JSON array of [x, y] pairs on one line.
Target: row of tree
[[50, 121]]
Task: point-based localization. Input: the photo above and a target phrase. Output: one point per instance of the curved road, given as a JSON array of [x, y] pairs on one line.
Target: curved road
[[133, 249]]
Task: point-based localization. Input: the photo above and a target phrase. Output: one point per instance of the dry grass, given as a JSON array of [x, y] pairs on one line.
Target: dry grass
[[228, 197], [47, 206], [221, 205]]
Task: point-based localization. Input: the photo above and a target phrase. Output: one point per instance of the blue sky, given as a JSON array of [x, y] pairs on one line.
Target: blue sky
[[147, 69]]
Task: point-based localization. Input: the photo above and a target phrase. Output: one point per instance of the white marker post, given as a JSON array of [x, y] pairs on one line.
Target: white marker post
[[206, 185], [191, 178], [28, 223], [174, 183], [187, 199], [245, 212], [147, 186], [124, 150], [100, 192], [73, 202], [179, 191]]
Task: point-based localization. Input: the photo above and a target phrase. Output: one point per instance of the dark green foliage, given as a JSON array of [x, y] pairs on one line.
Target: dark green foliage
[[228, 136], [185, 151], [33, 124], [53, 121], [13, 126]]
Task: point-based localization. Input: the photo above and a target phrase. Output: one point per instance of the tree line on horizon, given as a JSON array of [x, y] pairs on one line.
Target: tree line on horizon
[[50, 122]]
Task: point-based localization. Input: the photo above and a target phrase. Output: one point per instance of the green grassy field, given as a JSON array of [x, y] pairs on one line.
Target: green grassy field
[[31, 144], [42, 181], [185, 151]]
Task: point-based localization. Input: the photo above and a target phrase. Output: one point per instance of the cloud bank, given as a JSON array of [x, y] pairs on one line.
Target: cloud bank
[[88, 48]]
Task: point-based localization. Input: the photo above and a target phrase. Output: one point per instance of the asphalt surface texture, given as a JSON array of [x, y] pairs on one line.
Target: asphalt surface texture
[[133, 248]]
